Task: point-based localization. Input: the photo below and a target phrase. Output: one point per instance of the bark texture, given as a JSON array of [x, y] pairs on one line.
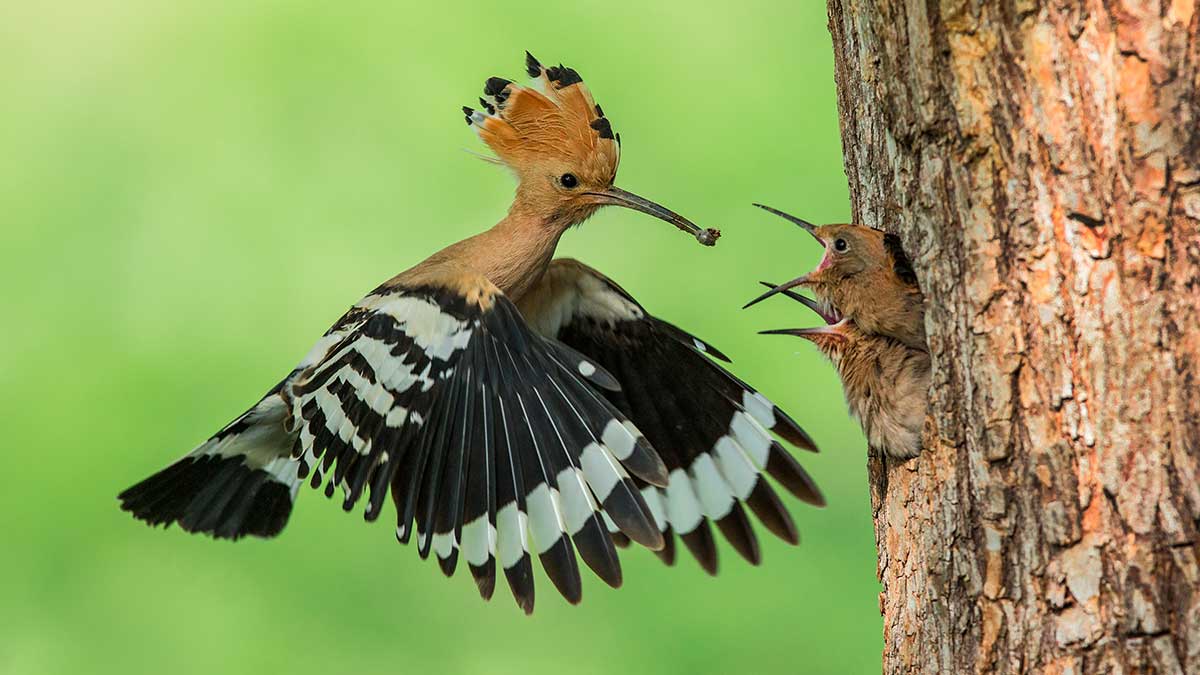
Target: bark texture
[[1040, 161]]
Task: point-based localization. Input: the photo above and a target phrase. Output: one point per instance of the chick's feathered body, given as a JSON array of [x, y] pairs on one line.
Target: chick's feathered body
[[885, 383], [868, 297]]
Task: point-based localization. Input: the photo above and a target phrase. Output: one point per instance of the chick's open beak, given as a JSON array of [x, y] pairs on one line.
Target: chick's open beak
[[617, 197], [810, 333], [829, 316], [833, 321], [781, 288], [804, 224], [798, 281]]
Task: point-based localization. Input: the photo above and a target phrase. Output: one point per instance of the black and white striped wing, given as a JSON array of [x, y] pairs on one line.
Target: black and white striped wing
[[491, 439], [712, 430]]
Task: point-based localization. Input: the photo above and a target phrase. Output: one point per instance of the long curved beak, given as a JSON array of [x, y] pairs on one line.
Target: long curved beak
[[798, 281], [818, 332], [804, 224], [833, 322], [829, 317], [615, 196]]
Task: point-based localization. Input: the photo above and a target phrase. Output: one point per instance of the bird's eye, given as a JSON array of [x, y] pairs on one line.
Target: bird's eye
[[568, 180], [840, 245]]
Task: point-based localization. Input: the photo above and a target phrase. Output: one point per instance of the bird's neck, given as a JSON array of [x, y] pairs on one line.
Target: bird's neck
[[515, 252]]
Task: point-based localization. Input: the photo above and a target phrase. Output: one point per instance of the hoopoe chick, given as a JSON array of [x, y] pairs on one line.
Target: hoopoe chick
[[866, 276], [512, 405], [886, 383]]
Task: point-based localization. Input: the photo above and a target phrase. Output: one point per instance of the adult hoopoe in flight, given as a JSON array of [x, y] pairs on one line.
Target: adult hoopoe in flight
[[502, 396]]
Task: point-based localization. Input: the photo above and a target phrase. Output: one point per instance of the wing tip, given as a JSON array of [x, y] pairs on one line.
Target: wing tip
[[667, 553], [221, 497], [793, 433], [787, 470], [645, 463], [738, 532], [769, 509], [702, 547], [485, 578]]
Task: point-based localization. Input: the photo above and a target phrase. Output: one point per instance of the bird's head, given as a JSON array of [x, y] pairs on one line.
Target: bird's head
[[562, 148], [858, 262]]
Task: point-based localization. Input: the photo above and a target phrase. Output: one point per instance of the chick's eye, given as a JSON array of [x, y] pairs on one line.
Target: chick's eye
[[840, 245], [568, 180]]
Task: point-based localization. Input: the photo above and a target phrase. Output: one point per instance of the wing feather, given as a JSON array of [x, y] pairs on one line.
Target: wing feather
[[712, 431], [479, 518], [492, 439]]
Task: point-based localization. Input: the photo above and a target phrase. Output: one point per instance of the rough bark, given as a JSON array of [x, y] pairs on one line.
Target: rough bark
[[1040, 160]]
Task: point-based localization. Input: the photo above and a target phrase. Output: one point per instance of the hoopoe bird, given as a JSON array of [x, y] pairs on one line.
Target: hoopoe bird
[[866, 275], [512, 404], [873, 329], [885, 382]]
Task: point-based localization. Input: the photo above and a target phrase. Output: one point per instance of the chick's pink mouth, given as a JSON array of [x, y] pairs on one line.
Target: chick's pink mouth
[[826, 262]]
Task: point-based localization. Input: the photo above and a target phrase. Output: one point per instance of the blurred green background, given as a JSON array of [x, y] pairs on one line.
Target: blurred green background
[[192, 192]]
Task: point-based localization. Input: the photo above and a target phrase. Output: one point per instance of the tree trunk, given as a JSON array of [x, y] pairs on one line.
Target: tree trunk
[[1041, 161]]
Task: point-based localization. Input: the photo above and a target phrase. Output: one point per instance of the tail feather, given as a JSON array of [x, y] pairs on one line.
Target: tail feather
[[240, 482]]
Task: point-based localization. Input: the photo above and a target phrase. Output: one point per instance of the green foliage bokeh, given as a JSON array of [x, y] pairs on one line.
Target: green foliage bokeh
[[192, 192]]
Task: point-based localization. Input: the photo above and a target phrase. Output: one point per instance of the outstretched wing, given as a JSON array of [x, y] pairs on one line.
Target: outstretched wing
[[489, 436], [711, 429]]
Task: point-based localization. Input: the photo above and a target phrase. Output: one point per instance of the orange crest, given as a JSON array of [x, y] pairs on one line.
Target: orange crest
[[554, 123]]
